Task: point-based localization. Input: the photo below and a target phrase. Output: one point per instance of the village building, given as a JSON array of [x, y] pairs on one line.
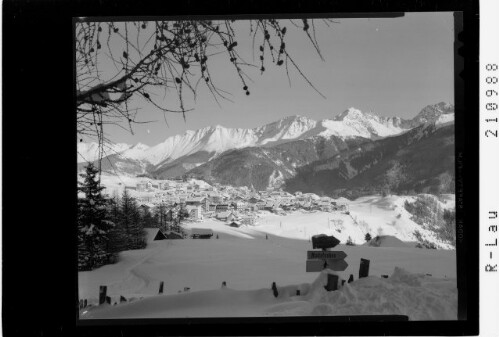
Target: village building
[[216, 198], [327, 208], [248, 220], [195, 212], [201, 233], [145, 199], [260, 206], [239, 206], [231, 217], [146, 207], [253, 200], [303, 198], [264, 193], [208, 214], [222, 208], [341, 207], [222, 216], [312, 196], [163, 185], [141, 187], [195, 201], [235, 224]]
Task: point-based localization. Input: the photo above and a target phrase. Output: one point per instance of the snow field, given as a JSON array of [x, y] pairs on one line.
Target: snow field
[[249, 263], [418, 296], [245, 264]]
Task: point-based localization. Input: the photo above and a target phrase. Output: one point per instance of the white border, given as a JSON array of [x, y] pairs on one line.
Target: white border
[[489, 170]]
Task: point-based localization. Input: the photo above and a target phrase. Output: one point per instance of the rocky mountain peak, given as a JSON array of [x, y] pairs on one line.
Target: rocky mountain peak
[[350, 113]]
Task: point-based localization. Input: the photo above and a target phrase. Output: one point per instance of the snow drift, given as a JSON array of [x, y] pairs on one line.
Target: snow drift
[[418, 296], [386, 241]]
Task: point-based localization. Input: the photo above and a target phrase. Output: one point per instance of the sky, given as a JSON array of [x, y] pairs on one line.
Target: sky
[[392, 66]]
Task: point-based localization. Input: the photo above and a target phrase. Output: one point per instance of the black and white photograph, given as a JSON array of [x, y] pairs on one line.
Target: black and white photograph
[[266, 166]]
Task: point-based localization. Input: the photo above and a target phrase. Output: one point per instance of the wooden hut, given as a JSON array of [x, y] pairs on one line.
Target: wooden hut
[[235, 224], [171, 235], [159, 236], [201, 233]]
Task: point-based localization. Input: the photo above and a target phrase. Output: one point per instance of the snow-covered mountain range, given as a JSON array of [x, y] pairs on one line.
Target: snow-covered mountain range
[[279, 153], [352, 123]]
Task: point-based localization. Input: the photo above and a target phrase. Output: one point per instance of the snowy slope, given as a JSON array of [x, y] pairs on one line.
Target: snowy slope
[[249, 266], [88, 152], [444, 119], [431, 113], [250, 258], [355, 123], [416, 295]]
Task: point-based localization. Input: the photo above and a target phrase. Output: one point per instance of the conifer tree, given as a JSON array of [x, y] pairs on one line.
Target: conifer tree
[[126, 217], [148, 219], [117, 237], [137, 232], [368, 237], [93, 222], [131, 222]]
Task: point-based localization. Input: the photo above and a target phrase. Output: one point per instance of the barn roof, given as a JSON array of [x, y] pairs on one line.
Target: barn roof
[[201, 231], [159, 236]]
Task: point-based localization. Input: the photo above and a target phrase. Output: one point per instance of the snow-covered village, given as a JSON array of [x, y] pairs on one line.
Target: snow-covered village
[[285, 202]]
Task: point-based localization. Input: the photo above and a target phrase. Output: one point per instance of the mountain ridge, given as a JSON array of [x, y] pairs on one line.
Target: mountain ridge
[[217, 139]]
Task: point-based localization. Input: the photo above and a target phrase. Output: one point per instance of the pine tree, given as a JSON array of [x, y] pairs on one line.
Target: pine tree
[[137, 232], [117, 237], [162, 216], [93, 222], [148, 219], [126, 217], [131, 222], [368, 237], [183, 213]]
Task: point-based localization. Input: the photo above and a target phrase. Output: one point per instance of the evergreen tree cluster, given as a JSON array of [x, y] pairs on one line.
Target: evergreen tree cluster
[[106, 226], [168, 218], [93, 222], [128, 232]]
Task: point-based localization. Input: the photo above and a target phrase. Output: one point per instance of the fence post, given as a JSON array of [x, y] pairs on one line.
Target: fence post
[[332, 282], [161, 287], [274, 289], [364, 268], [102, 294]]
